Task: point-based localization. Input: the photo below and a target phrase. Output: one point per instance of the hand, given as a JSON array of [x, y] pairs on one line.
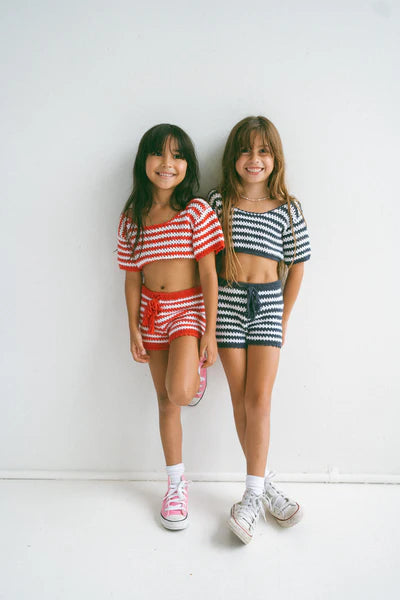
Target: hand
[[138, 352], [208, 349]]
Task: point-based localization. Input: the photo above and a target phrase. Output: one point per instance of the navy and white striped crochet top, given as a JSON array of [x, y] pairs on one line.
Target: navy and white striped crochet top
[[268, 234]]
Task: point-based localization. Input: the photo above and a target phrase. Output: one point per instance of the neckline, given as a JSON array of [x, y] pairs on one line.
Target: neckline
[[252, 212], [164, 222], [172, 218]]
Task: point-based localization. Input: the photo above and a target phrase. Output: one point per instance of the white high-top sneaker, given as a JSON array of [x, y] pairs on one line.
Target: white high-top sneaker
[[286, 512], [244, 516]]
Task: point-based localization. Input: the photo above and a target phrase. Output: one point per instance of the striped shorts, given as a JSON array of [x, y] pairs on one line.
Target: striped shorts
[[165, 316], [249, 314]]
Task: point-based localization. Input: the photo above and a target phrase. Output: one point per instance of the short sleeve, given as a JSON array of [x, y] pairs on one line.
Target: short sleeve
[[296, 248], [207, 231], [214, 199], [124, 253]]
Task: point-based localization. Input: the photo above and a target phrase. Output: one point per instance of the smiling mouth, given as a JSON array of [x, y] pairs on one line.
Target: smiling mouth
[[165, 174], [254, 171]]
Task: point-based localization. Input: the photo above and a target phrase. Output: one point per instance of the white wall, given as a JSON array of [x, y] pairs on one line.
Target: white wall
[[84, 80]]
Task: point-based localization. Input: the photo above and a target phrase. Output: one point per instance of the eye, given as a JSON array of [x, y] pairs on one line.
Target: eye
[[178, 156], [265, 150], [244, 151], [156, 153]]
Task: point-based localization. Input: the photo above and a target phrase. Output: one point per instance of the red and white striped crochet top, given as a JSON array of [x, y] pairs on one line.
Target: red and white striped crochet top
[[192, 233]]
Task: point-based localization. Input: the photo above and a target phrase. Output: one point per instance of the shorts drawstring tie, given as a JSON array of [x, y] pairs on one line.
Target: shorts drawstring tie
[[253, 302], [150, 313]]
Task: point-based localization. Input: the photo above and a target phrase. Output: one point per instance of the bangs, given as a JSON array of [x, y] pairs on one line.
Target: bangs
[[246, 135], [164, 134], [155, 141]]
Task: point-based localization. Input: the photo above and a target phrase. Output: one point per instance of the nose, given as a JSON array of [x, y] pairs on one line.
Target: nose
[[166, 159], [254, 156]]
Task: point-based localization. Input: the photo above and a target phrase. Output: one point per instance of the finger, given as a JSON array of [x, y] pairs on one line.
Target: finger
[[138, 357], [210, 360]]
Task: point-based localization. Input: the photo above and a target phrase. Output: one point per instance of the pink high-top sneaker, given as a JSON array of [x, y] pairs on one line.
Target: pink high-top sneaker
[[174, 509]]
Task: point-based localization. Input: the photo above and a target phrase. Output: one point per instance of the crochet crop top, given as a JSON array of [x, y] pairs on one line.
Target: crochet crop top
[[268, 234], [192, 233]]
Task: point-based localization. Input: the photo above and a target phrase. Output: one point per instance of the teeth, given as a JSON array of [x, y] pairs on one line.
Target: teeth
[[254, 170], [165, 174]]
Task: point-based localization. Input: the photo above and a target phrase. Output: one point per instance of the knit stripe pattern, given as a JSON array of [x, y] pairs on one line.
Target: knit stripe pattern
[[192, 233], [234, 327], [268, 234], [180, 313]]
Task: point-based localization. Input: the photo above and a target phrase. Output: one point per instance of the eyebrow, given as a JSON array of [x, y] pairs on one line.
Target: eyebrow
[[256, 147]]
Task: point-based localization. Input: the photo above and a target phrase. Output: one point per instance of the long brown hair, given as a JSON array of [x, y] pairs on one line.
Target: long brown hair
[[242, 136]]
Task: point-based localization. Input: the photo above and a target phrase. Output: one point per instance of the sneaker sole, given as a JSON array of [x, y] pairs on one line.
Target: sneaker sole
[[293, 520], [195, 400], [174, 525], [239, 531]]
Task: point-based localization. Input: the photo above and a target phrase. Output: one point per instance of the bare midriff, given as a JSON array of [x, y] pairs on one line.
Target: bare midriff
[[254, 269], [171, 275]]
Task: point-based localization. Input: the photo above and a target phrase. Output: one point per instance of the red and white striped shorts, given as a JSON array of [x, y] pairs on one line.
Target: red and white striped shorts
[[165, 316]]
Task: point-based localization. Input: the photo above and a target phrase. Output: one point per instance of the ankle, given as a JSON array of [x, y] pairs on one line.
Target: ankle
[[175, 473], [255, 484]]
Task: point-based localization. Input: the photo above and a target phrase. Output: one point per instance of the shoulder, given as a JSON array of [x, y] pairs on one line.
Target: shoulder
[[292, 212], [296, 210], [198, 207], [214, 198], [198, 203], [125, 223]]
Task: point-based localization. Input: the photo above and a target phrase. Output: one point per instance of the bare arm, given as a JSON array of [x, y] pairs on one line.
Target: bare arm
[[133, 286], [290, 293], [209, 285]]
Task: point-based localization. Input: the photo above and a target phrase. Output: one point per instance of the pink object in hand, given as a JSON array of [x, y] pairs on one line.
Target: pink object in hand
[[203, 383]]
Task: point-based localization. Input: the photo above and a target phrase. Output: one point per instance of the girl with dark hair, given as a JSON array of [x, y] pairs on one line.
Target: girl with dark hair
[[167, 240], [260, 276]]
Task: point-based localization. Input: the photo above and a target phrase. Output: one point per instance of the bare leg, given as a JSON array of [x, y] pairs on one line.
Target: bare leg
[[262, 367], [251, 375], [234, 361], [169, 413], [182, 377]]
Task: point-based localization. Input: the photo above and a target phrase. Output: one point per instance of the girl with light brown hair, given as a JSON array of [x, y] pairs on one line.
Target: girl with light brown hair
[[266, 245]]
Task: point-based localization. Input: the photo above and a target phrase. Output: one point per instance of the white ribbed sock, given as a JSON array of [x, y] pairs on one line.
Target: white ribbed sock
[[175, 472], [254, 483]]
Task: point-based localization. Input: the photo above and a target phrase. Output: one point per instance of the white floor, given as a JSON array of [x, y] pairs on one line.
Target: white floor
[[95, 540]]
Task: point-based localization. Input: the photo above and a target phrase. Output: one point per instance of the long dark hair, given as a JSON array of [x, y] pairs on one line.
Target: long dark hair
[[139, 202]]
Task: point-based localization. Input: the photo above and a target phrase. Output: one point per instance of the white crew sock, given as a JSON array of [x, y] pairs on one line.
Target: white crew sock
[[175, 472], [254, 483]]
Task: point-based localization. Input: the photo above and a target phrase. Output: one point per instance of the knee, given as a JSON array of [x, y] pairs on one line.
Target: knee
[[258, 406], [181, 395], [239, 408], [165, 406]]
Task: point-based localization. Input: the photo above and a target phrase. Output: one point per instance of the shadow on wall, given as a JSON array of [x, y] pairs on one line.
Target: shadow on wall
[[211, 168]]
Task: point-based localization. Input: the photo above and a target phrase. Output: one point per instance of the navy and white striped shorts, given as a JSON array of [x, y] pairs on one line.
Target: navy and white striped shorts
[[249, 314]]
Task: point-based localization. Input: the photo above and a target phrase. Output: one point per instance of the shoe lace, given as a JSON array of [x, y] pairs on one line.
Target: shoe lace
[[275, 498], [250, 507], [175, 498]]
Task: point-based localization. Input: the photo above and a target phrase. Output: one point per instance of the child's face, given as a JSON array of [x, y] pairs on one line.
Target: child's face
[[255, 164], [166, 169]]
